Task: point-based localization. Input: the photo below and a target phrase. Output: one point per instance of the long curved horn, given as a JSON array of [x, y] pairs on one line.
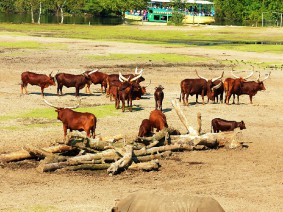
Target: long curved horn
[[201, 76], [216, 86], [148, 84], [268, 75], [249, 75], [135, 78], [258, 77], [50, 104], [216, 78], [122, 78], [74, 107], [51, 73], [136, 71], [140, 71], [92, 72], [234, 74]]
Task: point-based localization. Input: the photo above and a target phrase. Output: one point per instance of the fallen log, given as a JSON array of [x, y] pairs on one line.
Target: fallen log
[[24, 154], [122, 162]]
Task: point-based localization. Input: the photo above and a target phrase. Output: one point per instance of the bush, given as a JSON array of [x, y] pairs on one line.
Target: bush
[[177, 18]]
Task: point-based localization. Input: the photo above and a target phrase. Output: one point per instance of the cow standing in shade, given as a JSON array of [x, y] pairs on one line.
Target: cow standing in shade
[[41, 80], [158, 97]]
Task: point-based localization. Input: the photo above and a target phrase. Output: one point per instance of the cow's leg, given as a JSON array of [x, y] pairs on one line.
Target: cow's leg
[[238, 99], [156, 106], [65, 133], [77, 91], [251, 99], [131, 105], [187, 99], [196, 98], [123, 105], [42, 89]]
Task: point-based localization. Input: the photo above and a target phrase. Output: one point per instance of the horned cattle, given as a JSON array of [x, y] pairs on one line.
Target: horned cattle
[[96, 78], [41, 80], [73, 120], [72, 80]]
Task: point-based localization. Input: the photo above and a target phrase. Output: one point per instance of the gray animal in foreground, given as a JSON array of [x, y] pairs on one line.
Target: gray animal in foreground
[[156, 202]]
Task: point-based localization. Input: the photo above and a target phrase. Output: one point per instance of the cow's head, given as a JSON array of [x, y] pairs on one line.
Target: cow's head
[[212, 85], [51, 80], [241, 125], [261, 86]]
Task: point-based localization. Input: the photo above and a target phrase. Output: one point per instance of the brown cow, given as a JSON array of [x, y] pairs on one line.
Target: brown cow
[[72, 80], [158, 97], [218, 124], [233, 86], [192, 87], [96, 78], [157, 120], [145, 128], [214, 88], [252, 87], [75, 120], [125, 92], [41, 80]]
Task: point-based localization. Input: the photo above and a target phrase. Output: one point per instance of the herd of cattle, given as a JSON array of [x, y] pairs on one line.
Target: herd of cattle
[[126, 88]]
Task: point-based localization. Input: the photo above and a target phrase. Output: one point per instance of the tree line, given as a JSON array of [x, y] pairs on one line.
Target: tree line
[[229, 11]]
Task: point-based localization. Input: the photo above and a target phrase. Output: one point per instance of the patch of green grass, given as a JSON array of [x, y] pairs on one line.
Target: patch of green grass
[[172, 58], [250, 48], [158, 35], [25, 44]]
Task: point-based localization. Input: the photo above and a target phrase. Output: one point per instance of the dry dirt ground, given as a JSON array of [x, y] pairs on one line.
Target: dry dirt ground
[[248, 179]]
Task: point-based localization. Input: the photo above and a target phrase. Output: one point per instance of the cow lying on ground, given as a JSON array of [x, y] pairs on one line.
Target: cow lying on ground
[[154, 201], [42, 80], [218, 124], [73, 120]]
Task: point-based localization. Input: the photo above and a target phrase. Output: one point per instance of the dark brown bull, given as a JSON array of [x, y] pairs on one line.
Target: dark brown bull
[[196, 87], [145, 128], [41, 80], [115, 77], [125, 92], [96, 78], [214, 88], [158, 97], [233, 86], [251, 88], [73, 120], [72, 80], [157, 120], [218, 124]]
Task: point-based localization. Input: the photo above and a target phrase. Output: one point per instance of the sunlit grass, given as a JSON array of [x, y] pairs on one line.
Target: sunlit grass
[[250, 48], [158, 35], [31, 45], [173, 58]]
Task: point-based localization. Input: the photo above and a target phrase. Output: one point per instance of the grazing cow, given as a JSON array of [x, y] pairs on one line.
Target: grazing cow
[[145, 128], [125, 92], [73, 120], [156, 201], [96, 78], [218, 124], [214, 88], [158, 97], [252, 87], [41, 80], [72, 80], [233, 86], [157, 120]]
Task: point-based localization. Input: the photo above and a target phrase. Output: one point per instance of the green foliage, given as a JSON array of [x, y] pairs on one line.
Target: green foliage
[[177, 18]]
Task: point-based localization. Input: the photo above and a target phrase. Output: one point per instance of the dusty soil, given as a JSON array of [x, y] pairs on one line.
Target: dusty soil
[[248, 179]]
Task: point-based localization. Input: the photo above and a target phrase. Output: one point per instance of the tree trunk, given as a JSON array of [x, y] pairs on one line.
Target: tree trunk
[[62, 15], [31, 14], [39, 13]]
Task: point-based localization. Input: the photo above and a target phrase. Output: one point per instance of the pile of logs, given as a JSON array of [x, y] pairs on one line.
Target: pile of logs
[[116, 155]]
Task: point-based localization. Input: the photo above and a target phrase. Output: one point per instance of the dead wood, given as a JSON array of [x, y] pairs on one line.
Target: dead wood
[[122, 162], [24, 154], [146, 166]]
